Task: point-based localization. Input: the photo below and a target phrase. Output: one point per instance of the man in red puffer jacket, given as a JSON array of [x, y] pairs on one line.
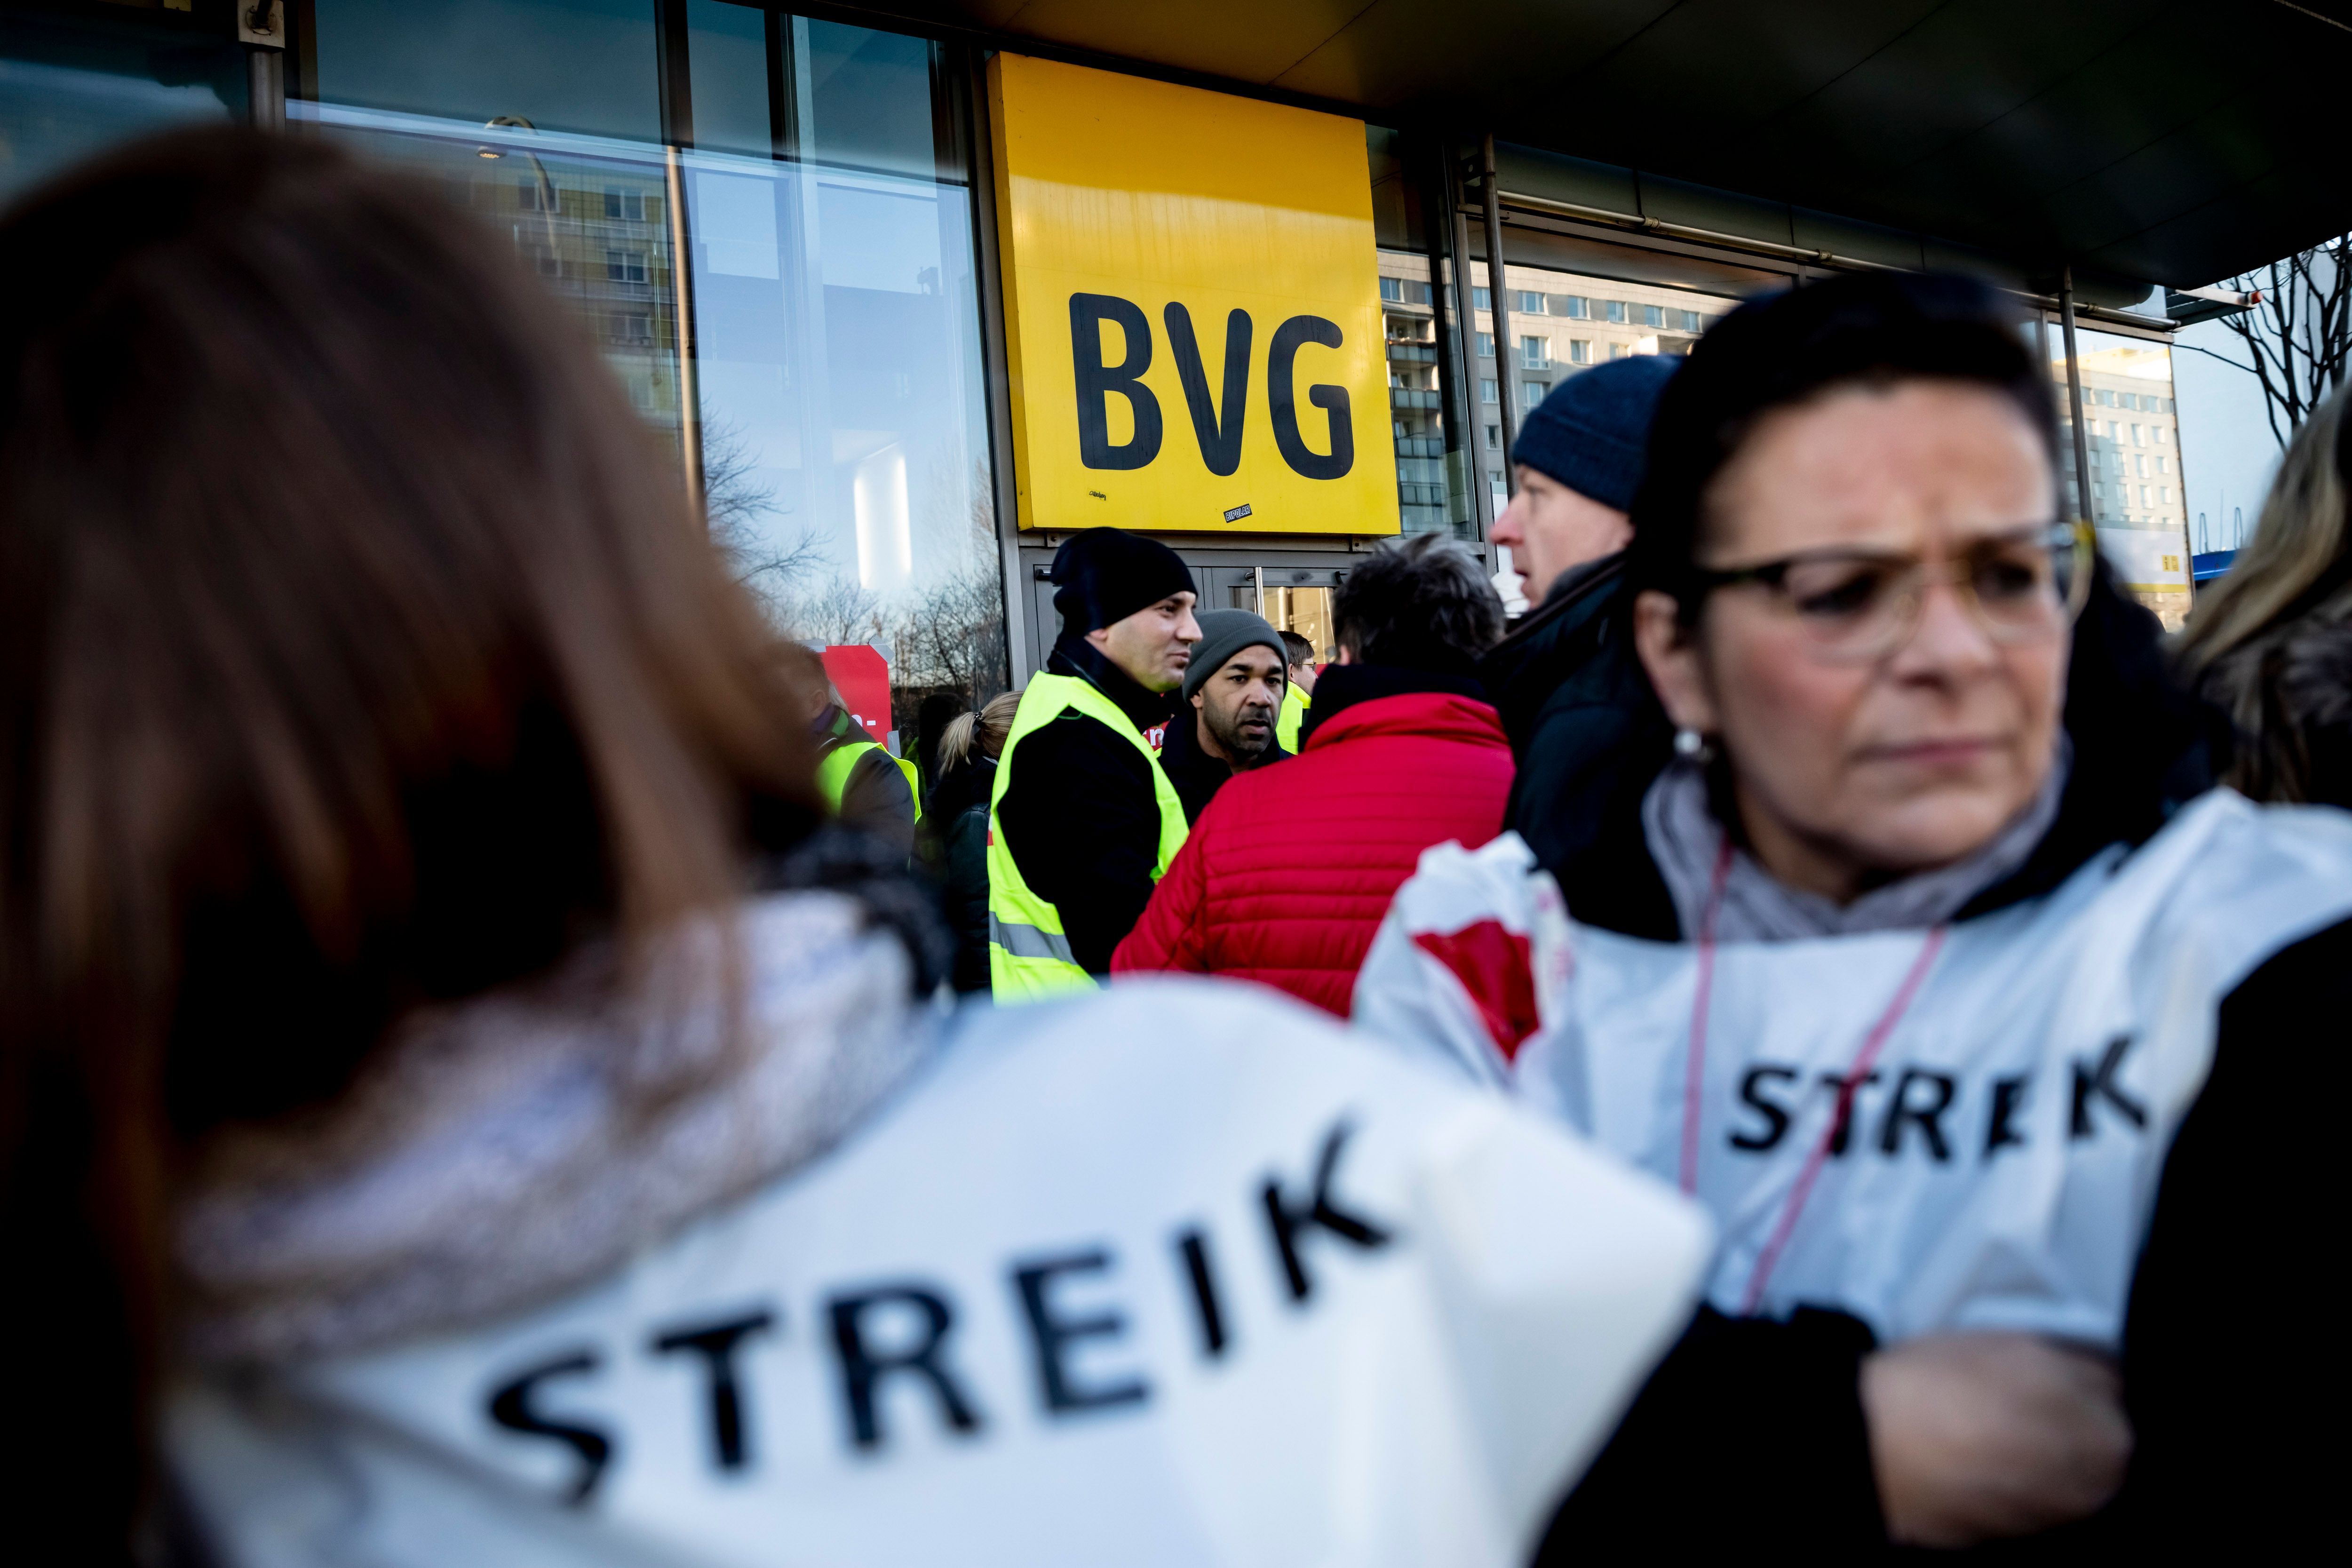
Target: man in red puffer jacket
[[1287, 873]]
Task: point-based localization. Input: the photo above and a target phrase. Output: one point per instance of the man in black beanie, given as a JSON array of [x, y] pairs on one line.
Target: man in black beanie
[[1082, 821], [1569, 690]]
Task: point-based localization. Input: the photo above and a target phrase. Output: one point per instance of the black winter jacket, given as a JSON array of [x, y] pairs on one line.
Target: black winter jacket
[[952, 844], [876, 799], [1574, 702], [1081, 817], [1749, 1439], [1197, 775]]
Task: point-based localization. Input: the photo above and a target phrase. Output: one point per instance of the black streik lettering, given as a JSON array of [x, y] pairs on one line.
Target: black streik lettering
[[715, 1343], [1927, 1118], [512, 1407], [1051, 1336], [1775, 1117], [1194, 1246], [1847, 1091], [2099, 1083], [863, 1368], [1096, 381], [1220, 433], [1282, 400], [2000, 1127], [1286, 1222]]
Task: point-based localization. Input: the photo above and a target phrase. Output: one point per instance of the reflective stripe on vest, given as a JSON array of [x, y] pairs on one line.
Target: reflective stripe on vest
[[1294, 704], [832, 770], [1028, 951]]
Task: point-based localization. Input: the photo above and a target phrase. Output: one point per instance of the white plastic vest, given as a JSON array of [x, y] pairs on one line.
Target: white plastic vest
[[1177, 1273], [2001, 1148]]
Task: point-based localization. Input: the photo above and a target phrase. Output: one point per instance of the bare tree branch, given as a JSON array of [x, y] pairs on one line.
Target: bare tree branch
[[737, 504], [2297, 338]]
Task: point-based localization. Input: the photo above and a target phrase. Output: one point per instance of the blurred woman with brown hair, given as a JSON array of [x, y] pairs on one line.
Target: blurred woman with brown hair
[[2271, 643], [420, 1144]]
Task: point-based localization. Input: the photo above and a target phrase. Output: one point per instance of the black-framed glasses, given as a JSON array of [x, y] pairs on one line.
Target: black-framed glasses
[[1858, 604]]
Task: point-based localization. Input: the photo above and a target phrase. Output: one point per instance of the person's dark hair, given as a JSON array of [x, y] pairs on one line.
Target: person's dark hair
[[1297, 650], [358, 651], [1422, 604], [1862, 329]]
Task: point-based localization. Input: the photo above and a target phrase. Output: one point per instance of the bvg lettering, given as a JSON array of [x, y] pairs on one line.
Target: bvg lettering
[[1218, 413]]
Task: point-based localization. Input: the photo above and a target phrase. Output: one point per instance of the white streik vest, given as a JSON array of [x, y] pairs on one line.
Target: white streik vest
[[1174, 1274], [1999, 1157]]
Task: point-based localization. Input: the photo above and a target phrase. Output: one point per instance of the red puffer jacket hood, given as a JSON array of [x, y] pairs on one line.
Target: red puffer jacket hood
[[1287, 874]]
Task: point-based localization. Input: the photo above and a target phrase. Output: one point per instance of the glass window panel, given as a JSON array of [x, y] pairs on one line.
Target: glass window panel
[[839, 384], [2144, 529], [727, 62], [73, 86], [865, 98], [1400, 203], [562, 65]]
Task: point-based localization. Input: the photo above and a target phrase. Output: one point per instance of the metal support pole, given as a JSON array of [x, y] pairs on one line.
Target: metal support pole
[[989, 259], [1464, 321], [681, 282], [261, 28], [676, 82], [1499, 312], [2074, 397]]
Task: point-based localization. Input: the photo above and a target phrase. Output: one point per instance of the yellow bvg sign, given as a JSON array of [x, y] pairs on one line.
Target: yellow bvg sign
[[1192, 309]]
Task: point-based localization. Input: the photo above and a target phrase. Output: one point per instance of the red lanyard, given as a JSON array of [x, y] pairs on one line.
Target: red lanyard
[[1694, 1071], [1695, 1075]]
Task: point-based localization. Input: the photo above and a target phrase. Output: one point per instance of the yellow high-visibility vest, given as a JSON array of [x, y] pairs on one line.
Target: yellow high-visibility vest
[[914, 783], [832, 770], [1294, 704], [1028, 951]]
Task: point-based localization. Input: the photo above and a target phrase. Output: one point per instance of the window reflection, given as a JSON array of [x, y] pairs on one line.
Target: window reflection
[[1433, 460], [2131, 427], [1563, 321], [562, 65], [827, 279], [71, 87]]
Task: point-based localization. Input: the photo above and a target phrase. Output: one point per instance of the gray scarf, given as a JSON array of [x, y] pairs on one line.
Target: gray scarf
[[1686, 841], [502, 1152]]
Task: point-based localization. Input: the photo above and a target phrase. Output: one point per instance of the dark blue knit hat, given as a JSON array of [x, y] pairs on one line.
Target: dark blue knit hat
[[1592, 431]]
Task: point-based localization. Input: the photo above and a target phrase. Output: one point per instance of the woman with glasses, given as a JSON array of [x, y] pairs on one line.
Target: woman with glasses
[[1917, 955]]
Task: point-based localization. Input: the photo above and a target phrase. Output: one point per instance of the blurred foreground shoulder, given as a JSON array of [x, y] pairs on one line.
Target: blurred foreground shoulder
[[1174, 1273]]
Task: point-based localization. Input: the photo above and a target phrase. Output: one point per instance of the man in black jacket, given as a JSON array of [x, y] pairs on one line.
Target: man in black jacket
[[1569, 690], [1081, 815]]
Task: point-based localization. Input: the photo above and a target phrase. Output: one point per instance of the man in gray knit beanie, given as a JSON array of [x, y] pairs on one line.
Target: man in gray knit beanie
[[1231, 697]]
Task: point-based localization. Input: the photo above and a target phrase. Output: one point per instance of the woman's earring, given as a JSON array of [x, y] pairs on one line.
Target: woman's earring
[[1691, 746]]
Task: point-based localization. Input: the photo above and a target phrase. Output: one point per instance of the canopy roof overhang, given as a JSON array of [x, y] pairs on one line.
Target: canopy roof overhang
[[2142, 142]]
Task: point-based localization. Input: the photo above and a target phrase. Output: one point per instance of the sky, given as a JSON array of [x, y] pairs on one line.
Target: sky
[[2227, 452]]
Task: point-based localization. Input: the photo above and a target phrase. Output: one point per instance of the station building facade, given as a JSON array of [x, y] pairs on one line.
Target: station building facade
[[905, 305]]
